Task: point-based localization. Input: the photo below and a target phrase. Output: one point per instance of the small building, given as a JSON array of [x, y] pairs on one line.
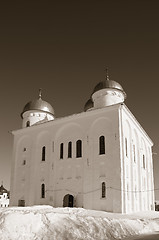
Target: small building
[[98, 159], [4, 197]]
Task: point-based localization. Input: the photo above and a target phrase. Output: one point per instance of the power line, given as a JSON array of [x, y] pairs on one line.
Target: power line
[[99, 189]]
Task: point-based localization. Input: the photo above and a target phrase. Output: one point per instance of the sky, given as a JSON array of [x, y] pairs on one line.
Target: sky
[[63, 47]]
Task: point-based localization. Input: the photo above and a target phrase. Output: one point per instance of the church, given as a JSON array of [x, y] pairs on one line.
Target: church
[[98, 159]]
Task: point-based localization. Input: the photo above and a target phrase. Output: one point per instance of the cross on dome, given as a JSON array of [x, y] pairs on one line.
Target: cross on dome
[[107, 75], [40, 93]]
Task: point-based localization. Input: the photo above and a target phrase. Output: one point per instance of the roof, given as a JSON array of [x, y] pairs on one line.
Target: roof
[[88, 105], [3, 190], [108, 84], [39, 105]]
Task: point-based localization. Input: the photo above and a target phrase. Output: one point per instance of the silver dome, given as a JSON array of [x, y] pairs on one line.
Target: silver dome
[[109, 84], [39, 105]]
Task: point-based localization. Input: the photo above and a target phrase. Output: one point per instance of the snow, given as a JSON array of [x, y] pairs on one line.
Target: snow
[[48, 223]]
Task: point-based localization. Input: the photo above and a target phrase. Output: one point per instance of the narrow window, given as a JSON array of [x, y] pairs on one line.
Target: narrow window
[[24, 162], [53, 146], [43, 153], [61, 151], [24, 150], [143, 159], [126, 147], [70, 150], [43, 190], [79, 149], [103, 190], [102, 145], [28, 124]]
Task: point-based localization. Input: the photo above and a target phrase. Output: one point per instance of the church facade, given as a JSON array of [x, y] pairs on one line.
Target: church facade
[[99, 159]]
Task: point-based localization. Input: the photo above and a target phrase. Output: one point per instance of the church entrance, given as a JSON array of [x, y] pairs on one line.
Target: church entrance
[[68, 200], [21, 203]]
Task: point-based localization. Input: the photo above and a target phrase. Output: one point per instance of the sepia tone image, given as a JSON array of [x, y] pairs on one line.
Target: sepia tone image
[[79, 120]]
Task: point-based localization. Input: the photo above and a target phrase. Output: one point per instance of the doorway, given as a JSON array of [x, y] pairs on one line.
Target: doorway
[[68, 200], [21, 203]]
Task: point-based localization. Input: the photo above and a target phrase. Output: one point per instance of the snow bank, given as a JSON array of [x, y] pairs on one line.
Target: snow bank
[[48, 223]]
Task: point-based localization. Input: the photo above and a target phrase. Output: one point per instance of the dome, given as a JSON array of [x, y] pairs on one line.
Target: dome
[[109, 84], [38, 105], [88, 105], [2, 190]]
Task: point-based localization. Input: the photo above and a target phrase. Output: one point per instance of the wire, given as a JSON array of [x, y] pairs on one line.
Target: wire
[[99, 189]]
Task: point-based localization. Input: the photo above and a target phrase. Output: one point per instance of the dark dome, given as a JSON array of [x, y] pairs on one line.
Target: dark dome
[[88, 105], [3, 190], [38, 105], [108, 84]]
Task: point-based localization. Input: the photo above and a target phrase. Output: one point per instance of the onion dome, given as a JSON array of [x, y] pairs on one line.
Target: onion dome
[[107, 93], [109, 84], [38, 105], [3, 190], [88, 105]]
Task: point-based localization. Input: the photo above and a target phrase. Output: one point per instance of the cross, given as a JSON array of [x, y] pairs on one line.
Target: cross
[[40, 93], [107, 75]]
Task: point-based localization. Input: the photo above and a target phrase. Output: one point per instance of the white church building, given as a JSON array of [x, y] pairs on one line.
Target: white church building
[[98, 159], [4, 197]]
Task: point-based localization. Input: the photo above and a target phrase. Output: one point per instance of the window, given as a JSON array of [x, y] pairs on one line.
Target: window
[[24, 149], [103, 190], [78, 149], [28, 124], [143, 159], [102, 145], [24, 162], [70, 150], [61, 151], [126, 147], [43, 190], [43, 153]]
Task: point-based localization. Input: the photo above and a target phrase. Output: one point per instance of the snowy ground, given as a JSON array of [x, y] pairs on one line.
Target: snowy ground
[[48, 223]]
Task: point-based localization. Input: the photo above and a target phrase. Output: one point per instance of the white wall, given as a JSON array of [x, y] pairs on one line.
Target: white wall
[[34, 116], [83, 177], [80, 177], [4, 200], [138, 185]]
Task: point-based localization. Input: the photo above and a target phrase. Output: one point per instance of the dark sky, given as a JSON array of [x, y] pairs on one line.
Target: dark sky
[[63, 48]]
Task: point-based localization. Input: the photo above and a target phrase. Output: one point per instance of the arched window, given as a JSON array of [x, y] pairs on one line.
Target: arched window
[[43, 190], [103, 190], [61, 151], [79, 149], [144, 163], [126, 147], [102, 145], [43, 153], [70, 150], [28, 124]]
